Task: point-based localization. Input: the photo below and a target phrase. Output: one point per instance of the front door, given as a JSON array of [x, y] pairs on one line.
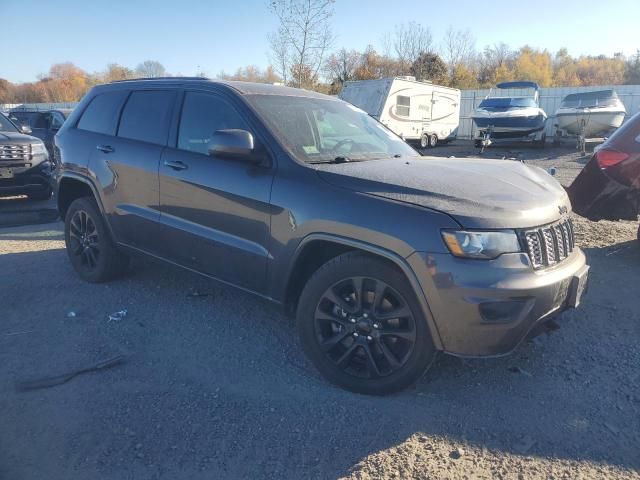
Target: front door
[[215, 211]]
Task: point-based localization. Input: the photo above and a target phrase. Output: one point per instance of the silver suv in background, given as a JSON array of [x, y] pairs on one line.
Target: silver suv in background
[[384, 256]]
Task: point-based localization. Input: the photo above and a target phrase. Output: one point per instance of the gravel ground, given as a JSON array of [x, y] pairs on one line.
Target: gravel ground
[[216, 386]]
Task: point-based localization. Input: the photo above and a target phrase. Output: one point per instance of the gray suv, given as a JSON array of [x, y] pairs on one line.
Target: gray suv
[[384, 256]]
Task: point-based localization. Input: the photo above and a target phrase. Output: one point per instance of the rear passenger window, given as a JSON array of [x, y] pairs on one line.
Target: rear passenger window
[[146, 116], [202, 115], [101, 116]]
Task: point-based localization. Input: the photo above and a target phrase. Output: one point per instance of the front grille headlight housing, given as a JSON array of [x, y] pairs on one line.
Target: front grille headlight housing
[[483, 245], [38, 149]]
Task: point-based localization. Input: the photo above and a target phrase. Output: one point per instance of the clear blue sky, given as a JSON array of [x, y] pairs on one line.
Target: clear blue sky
[[224, 35]]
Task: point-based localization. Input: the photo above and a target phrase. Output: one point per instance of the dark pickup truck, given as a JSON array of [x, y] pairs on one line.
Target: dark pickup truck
[[25, 168], [43, 124]]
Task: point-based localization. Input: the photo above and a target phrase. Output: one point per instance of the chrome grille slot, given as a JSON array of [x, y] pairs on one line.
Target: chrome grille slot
[[14, 154], [550, 244]]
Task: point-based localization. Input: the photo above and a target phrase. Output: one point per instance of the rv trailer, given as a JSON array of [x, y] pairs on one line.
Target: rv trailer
[[417, 111]]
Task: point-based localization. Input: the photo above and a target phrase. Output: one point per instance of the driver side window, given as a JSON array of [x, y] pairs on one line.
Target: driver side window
[[202, 115]]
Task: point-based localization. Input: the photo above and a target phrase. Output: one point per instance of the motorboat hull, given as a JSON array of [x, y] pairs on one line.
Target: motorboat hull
[[590, 122], [516, 123]]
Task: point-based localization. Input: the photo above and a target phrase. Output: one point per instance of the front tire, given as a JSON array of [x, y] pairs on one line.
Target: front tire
[[362, 326], [424, 141], [91, 250]]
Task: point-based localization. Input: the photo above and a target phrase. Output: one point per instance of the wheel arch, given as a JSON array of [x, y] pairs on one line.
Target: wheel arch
[[71, 187], [315, 250]]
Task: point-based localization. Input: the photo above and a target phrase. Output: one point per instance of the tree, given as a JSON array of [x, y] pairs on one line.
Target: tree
[[632, 70], [340, 66], [411, 40], [150, 69], [302, 39], [565, 70], [459, 48], [6, 91], [115, 72], [251, 73], [65, 83], [429, 66], [373, 65], [496, 64], [463, 77], [534, 65]]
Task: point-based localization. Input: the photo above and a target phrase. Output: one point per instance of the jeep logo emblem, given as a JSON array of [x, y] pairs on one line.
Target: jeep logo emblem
[[562, 209]]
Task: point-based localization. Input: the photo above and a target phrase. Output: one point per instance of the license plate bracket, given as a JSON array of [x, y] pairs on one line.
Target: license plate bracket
[[578, 288], [6, 173]]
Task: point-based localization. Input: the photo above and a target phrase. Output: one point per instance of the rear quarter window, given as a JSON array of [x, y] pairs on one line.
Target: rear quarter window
[[146, 116], [101, 115]]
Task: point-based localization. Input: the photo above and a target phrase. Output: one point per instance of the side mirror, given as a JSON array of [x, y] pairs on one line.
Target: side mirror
[[235, 144], [26, 129]]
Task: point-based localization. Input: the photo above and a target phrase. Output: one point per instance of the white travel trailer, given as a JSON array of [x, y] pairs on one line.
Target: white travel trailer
[[417, 111]]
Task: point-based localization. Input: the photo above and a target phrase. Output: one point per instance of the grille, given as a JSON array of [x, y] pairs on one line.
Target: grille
[[551, 244], [10, 154]]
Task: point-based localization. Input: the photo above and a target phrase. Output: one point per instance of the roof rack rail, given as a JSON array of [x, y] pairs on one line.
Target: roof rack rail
[[159, 78]]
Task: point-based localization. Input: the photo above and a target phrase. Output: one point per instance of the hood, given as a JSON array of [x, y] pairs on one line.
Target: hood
[[478, 193], [16, 138]]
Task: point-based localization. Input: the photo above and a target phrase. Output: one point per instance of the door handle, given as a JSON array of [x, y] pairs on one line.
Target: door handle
[[176, 165], [105, 148]]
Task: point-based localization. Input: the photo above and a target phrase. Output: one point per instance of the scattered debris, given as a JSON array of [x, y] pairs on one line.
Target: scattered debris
[[117, 316], [18, 333], [64, 378], [520, 370], [457, 453], [71, 314], [525, 444], [193, 293]]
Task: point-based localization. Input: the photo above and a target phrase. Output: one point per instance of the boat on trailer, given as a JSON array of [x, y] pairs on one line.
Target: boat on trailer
[[502, 117], [590, 114]]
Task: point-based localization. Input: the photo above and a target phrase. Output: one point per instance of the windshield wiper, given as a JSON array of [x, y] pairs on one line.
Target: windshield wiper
[[339, 159]]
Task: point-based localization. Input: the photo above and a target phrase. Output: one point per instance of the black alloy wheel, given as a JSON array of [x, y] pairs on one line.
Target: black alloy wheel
[[365, 327], [84, 240]]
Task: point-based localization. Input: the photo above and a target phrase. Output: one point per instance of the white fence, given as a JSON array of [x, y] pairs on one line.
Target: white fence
[[4, 107], [550, 99]]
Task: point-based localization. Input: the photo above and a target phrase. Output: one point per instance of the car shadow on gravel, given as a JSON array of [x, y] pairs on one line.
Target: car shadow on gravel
[[218, 385]]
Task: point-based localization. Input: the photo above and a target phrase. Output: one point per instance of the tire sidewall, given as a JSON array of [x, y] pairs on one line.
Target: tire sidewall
[[366, 266], [98, 273]]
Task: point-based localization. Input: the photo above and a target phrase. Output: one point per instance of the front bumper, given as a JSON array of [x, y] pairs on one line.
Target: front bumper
[[28, 180], [486, 308]]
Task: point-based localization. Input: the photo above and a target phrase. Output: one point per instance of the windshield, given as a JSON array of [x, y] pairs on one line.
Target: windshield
[[508, 102], [604, 98], [32, 119], [317, 129], [6, 125]]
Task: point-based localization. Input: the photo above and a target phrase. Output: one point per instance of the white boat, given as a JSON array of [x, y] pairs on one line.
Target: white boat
[[590, 114], [506, 117]]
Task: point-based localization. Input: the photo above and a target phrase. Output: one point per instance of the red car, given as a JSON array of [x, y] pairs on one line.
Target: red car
[[609, 185]]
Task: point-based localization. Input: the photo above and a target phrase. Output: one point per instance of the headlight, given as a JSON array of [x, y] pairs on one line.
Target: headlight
[[38, 149], [485, 245]]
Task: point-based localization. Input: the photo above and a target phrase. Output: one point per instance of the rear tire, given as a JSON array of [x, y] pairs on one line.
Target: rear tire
[[424, 141], [362, 326], [92, 252], [433, 140]]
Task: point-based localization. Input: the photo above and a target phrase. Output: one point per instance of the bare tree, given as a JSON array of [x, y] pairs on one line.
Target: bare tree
[[280, 55], [341, 65], [150, 69], [459, 48], [302, 39], [410, 40]]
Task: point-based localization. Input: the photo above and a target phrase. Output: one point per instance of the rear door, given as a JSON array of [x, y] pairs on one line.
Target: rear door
[[127, 166], [215, 211]]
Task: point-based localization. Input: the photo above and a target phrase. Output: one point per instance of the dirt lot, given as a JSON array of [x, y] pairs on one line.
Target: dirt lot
[[216, 385]]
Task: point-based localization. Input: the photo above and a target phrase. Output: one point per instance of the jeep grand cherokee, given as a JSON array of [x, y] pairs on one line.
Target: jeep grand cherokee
[[385, 257]]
